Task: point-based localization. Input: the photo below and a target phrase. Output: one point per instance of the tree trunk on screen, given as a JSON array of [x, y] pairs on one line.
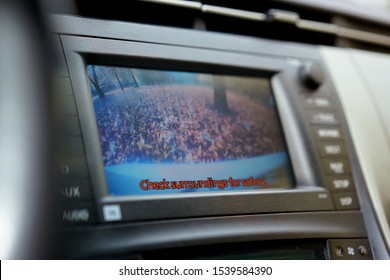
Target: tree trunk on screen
[[117, 77], [134, 79], [220, 99], [95, 81]]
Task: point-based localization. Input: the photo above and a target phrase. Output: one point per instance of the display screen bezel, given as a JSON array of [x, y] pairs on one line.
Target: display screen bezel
[[307, 194]]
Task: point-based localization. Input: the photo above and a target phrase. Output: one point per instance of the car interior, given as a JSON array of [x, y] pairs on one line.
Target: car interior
[[195, 129]]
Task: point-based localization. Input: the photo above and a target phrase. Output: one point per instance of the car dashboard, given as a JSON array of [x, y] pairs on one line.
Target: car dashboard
[[188, 130]]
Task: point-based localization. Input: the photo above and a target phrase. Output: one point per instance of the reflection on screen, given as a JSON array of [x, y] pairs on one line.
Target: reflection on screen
[[164, 132]]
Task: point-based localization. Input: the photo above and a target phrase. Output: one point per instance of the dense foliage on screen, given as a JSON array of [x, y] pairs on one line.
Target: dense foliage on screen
[[170, 132]]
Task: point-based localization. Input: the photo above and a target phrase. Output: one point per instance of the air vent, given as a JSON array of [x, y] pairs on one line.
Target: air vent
[[278, 20], [141, 12]]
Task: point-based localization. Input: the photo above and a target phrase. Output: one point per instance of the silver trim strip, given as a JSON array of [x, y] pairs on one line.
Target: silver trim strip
[[283, 16], [177, 3], [318, 26], [234, 13], [352, 34], [364, 36]]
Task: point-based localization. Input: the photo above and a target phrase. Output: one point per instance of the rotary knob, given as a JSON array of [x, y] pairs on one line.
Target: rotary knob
[[312, 75]]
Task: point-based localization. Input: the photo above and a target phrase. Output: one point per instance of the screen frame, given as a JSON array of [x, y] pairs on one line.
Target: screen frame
[[307, 195], [250, 76]]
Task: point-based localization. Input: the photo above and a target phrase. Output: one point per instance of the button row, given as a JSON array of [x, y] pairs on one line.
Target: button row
[[74, 185], [324, 121], [349, 249]]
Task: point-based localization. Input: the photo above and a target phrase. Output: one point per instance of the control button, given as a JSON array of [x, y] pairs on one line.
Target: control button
[[312, 75], [112, 212], [346, 201], [336, 166], [327, 133], [351, 251], [67, 105], [75, 190], [71, 126], [319, 102], [340, 183], [73, 169], [332, 149], [72, 147], [339, 251], [78, 215], [362, 250], [323, 118]]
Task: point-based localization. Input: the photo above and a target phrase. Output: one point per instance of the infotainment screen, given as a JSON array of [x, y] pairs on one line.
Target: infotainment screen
[[169, 132]]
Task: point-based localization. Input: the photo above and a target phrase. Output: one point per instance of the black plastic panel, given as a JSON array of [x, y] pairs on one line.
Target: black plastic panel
[[307, 210]]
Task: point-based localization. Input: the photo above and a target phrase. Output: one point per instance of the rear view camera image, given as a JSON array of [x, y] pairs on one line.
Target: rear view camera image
[[165, 132]]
